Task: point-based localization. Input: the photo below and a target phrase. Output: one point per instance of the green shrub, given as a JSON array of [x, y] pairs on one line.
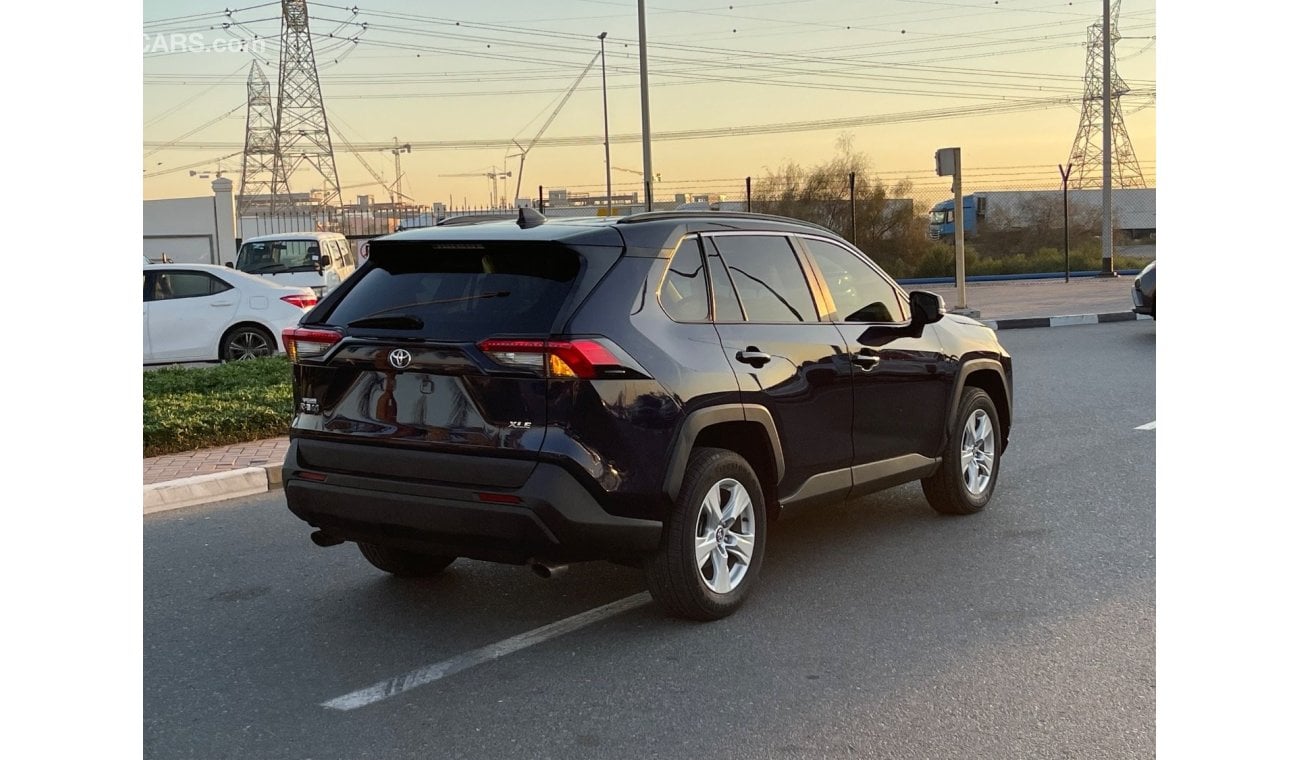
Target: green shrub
[[187, 409], [938, 261]]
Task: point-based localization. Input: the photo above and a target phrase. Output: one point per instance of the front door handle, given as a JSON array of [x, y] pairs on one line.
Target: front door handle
[[866, 358], [753, 357]]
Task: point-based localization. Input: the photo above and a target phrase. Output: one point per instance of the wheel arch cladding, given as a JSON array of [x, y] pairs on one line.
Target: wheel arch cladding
[[990, 381], [749, 439], [743, 428]]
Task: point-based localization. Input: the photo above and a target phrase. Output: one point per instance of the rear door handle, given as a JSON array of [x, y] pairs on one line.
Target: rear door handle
[[215, 304], [866, 359], [753, 357]]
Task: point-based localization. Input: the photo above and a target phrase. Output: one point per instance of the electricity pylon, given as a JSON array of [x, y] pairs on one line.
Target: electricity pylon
[[302, 132], [259, 143], [1086, 155]]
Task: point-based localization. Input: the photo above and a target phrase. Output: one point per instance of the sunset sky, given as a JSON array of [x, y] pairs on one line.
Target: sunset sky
[[430, 73]]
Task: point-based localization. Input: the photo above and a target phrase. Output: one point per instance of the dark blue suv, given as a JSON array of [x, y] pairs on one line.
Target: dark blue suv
[[652, 389]]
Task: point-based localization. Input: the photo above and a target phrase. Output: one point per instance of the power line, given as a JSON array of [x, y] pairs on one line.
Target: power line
[[1001, 107]]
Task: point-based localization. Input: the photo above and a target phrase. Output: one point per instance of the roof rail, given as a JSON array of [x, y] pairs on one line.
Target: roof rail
[[651, 216]]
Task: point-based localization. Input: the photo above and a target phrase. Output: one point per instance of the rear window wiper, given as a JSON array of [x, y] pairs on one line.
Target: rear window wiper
[[372, 315], [394, 322]]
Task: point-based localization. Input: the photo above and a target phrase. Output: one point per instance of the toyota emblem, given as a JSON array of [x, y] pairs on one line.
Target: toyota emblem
[[399, 358]]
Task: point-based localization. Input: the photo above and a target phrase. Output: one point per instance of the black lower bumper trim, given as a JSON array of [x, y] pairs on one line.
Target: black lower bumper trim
[[557, 520]]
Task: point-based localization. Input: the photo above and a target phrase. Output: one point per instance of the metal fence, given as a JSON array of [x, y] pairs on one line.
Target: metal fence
[[906, 223]]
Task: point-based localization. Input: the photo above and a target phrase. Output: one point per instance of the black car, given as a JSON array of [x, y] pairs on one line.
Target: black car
[[652, 389], [1144, 291]]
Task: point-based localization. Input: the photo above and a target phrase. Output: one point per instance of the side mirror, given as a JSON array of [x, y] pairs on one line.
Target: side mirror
[[927, 307], [230, 264], [323, 261]]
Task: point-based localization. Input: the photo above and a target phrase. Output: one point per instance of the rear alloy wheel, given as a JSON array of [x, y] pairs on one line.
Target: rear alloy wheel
[[402, 563], [246, 343], [712, 548], [964, 482]]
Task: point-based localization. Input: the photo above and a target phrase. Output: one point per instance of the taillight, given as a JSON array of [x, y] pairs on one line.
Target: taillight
[[306, 343], [302, 301], [581, 358]]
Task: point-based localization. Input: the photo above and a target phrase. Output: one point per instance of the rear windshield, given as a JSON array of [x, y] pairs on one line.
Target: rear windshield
[[460, 295]]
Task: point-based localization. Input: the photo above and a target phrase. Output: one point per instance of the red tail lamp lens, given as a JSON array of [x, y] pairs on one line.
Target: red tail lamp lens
[[303, 343], [557, 358], [303, 301]]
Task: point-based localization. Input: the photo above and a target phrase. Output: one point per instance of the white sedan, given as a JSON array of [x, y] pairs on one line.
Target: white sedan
[[201, 312]]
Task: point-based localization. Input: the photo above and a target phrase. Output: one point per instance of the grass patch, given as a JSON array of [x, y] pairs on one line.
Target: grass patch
[[186, 409]]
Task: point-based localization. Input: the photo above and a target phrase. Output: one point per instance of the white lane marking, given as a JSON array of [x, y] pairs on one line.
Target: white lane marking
[[1149, 426], [430, 673]]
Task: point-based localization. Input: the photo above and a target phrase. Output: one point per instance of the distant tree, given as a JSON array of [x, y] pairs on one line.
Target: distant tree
[[888, 228]]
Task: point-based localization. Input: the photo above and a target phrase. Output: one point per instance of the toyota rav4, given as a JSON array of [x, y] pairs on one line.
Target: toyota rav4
[[654, 389]]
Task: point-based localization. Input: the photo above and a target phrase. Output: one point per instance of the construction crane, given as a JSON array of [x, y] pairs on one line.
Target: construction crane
[[397, 151], [637, 172], [492, 176], [394, 189], [523, 152]]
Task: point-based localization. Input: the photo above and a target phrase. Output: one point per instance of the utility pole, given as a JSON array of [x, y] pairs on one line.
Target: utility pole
[[1107, 223], [645, 111], [947, 163], [604, 100]]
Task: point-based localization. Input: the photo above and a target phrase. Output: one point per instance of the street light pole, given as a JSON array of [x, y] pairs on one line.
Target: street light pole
[[604, 99], [645, 110], [1107, 224]]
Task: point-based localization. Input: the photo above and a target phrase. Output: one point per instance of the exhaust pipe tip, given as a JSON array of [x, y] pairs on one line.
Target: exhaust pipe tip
[[547, 570], [321, 538]]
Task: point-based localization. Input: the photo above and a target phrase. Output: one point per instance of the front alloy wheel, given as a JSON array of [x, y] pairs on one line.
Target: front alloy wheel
[[965, 479], [977, 451]]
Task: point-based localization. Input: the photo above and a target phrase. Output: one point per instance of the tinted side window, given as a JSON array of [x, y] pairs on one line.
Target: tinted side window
[[684, 294], [169, 285], [859, 292], [768, 278], [726, 304]]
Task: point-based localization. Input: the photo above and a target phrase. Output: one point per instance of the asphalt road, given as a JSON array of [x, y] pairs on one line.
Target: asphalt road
[[880, 629]]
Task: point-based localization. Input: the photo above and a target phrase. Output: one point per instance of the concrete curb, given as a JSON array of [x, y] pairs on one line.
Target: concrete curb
[[204, 489], [1068, 320]]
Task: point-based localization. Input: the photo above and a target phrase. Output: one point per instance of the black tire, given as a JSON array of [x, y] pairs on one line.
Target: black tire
[[402, 563], [947, 489], [246, 342], [677, 581]]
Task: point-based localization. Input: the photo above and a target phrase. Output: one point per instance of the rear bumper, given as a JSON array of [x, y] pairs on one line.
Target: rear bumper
[[556, 519]]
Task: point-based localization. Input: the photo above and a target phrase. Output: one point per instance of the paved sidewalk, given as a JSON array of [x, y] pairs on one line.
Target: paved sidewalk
[[1020, 299], [220, 459], [1015, 300]]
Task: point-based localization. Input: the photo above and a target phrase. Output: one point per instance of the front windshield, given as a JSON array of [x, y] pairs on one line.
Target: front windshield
[[278, 256], [941, 217]]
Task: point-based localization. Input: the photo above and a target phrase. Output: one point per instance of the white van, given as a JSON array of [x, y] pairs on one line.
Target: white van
[[318, 260]]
